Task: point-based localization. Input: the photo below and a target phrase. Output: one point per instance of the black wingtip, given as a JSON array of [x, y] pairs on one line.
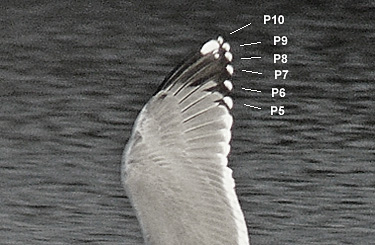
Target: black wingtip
[[212, 62]]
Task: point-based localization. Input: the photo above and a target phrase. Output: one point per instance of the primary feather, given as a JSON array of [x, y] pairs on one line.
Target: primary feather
[[174, 167]]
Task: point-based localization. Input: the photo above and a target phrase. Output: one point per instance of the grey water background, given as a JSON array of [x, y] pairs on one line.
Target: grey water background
[[74, 75]]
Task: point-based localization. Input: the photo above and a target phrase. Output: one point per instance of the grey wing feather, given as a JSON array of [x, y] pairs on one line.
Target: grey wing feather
[[175, 164]]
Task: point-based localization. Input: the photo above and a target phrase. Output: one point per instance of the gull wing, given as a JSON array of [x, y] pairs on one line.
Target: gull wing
[[174, 167]]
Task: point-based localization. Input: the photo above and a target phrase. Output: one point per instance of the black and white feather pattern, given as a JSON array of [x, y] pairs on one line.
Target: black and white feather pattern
[[175, 164]]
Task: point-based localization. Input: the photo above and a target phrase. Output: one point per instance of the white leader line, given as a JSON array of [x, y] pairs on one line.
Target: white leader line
[[239, 29]]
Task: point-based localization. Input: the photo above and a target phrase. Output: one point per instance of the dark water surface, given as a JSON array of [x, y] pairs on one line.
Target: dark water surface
[[74, 76]]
